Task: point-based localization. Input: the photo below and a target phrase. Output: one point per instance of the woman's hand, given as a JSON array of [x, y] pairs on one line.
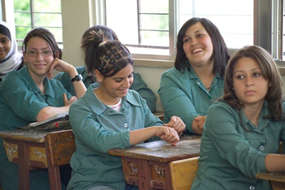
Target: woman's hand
[[198, 124], [70, 101], [61, 66], [167, 134], [177, 124]]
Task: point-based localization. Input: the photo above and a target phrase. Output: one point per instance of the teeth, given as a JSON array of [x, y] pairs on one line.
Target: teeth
[[197, 50]]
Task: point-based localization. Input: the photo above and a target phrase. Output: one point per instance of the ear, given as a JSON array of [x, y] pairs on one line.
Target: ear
[[57, 54], [99, 76], [24, 55]]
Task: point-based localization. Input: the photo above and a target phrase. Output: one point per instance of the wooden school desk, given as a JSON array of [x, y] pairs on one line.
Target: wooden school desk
[[147, 164], [277, 180], [33, 149]]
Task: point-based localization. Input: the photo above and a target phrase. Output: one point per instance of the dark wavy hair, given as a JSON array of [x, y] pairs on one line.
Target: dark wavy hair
[[269, 71], [220, 50], [106, 57], [47, 36]]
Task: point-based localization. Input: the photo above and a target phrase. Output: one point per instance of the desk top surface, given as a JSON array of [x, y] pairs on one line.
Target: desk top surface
[[161, 151], [278, 177], [25, 135]]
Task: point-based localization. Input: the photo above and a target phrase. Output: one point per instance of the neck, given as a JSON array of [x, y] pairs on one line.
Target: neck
[[253, 113], [106, 98]]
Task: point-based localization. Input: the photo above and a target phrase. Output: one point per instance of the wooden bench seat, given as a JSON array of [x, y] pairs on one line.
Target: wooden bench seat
[[183, 173]]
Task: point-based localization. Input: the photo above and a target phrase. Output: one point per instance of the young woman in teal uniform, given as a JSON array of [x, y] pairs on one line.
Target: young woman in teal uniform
[[243, 129], [111, 115], [28, 95], [138, 85], [188, 89], [10, 58]]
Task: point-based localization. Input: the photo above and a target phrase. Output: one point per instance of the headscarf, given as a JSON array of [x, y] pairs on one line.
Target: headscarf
[[13, 59]]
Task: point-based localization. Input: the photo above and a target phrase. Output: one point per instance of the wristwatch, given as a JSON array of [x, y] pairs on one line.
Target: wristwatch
[[76, 78]]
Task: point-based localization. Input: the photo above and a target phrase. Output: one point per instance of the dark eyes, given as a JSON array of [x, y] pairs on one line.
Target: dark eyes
[[254, 75], [4, 41], [188, 39]]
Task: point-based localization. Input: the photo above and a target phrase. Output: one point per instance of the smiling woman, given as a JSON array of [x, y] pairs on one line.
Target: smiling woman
[[197, 79], [10, 59], [28, 95]]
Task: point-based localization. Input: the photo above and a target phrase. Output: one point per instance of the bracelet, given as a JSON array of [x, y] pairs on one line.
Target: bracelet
[[76, 78]]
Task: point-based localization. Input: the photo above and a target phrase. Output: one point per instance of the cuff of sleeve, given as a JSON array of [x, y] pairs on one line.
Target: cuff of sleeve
[[125, 136], [261, 163], [188, 123]]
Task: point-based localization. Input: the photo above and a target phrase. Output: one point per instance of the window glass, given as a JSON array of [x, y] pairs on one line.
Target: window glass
[[43, 13], [121, 16], [47, 5], [233, 18]]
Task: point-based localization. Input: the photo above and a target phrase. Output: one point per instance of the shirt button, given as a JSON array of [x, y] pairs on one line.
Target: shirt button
[[261, 148], [198, 83], [126, 125], [251, 187]]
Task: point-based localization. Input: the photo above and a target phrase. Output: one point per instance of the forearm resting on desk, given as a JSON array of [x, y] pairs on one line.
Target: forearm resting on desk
[[275, 163], [50, 111], [165, 133]]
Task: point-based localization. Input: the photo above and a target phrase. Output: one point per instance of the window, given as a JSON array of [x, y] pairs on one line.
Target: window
[[37, 13], [153, 24], [150, 27]]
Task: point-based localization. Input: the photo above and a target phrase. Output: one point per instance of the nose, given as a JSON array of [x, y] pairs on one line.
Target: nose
[[127, 83], [249, 81], [194, 42], [39, 56]]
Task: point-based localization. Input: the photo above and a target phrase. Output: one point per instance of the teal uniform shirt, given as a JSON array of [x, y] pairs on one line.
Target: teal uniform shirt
[[185, 96], [99, 128], [20, 102], [230, 156], [138, 85]]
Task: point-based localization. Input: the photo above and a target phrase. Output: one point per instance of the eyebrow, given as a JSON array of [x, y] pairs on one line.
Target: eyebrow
[[4, 37], [123, 77], [194, 33], [243, 71], [45, 48]]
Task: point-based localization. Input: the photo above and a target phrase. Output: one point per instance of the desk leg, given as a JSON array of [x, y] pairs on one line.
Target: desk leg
[[24, 170], [277, 185], [144, 178], [54, 178], [168, 177], [53, 170]]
